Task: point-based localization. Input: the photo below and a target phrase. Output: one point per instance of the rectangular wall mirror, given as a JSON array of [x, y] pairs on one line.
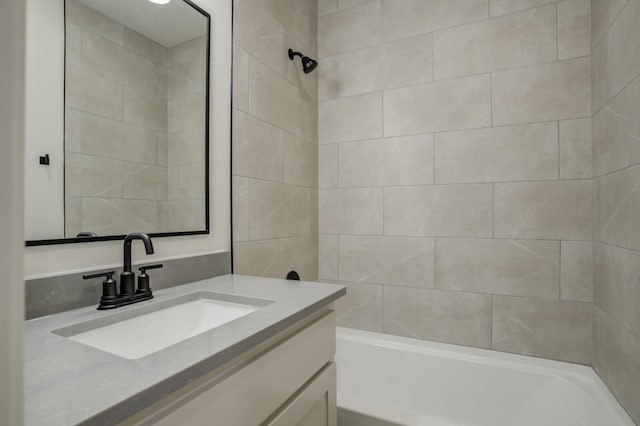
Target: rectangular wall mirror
[[133, 154]]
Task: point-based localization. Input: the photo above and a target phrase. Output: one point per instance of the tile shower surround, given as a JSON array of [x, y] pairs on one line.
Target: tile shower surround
[[455, 170], [275, 143], [134, 155]]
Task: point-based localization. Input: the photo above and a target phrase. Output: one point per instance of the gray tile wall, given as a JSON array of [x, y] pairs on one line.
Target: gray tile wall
[[616, 137], [274, 147], [133, 129], [455, 170]]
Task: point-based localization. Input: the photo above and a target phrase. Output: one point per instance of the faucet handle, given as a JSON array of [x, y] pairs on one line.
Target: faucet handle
[[143, 269], [109, 291], [143, 278], [107, 275]]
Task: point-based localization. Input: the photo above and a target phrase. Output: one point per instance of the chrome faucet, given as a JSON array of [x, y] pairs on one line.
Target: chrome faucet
[[127, 277]]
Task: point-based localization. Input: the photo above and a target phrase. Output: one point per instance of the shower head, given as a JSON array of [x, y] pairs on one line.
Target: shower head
[[308, 64]]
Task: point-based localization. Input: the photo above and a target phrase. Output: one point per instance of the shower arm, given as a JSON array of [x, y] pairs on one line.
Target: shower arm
[[293, 54]]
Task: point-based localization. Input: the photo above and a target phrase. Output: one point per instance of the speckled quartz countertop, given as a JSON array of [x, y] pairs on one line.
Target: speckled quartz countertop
[[69, 383]]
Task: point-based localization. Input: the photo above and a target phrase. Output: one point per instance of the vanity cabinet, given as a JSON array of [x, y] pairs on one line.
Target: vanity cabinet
[[289, 380]]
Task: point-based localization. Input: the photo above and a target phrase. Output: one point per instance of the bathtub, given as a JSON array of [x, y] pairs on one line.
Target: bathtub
[[387, 380]]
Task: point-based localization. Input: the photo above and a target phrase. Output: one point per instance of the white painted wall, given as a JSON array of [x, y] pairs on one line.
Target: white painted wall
[[11, 209], [58, 260], [44, 130]]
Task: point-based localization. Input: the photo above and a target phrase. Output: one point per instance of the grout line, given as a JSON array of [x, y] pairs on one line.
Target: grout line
[[460, 77], [559, 151], [491, 325], [614, 96], [491, 97], [613, 21], [422, 185], [493, 210], [437, 132], [560, 272], [558, 32]]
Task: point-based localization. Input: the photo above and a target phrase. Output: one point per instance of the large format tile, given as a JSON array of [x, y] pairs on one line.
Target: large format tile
[[107, 59], [559, 90], [576, 148], [103, 137], [396, 64], [182, 113], [463, 103], [349, 29], [576, 279], [145, 47], [185, 147], [117, 216], [93, 176], [301, 255], [513, 153], [502, 7], [361, 308], [603, 12], [260, 34], [90, 93], [258, 149], [382, 162], [405, 18], [146, 111], [268, 209], [616, 357], [616, 131], [351, 211], [349, 119], [145, 181], [300, 161], [616, 66], [326, 7], [328, 78], [574, 28], [403, 261], [515, 40], [240, 203], [443, 316], [559, 210], [328, 254], [240, 79], [72, 130], [73, 44], [328, 166], [509, 267], [546, 328], [186, 182], [617, 202], [292, 112], [83, 16], [259, 258], [616, 285], [439, 211]]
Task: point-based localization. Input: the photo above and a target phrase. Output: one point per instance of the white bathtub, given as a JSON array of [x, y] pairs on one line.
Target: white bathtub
[[386, 380]]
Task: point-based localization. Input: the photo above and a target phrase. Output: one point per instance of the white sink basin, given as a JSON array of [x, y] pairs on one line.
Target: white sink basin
[[150, 332]]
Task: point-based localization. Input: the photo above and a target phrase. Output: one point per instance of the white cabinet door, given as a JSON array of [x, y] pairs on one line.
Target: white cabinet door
[[314, 404], [250, 394]]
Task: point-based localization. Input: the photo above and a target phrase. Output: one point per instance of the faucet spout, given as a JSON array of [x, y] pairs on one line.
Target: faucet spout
[[148, 246], [127, 277]]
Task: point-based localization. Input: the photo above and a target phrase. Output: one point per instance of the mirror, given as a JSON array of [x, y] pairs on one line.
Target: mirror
[[134, 151]]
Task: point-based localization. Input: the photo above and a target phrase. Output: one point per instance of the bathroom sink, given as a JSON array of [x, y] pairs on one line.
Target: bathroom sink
[[147, 332]]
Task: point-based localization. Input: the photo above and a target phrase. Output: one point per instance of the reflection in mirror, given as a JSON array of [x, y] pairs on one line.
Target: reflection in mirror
[[135, 106]]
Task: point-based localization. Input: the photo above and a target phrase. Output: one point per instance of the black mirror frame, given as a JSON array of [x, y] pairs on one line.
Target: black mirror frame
[[207, 230]]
